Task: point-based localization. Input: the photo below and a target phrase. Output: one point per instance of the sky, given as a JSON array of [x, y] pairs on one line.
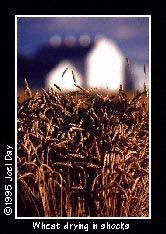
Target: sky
[[131, 34]]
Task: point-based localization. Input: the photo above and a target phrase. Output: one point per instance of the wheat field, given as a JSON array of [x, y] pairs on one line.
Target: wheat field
[[83, 154]]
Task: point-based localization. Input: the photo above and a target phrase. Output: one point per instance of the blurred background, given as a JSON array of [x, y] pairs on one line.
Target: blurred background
[[103, 52]]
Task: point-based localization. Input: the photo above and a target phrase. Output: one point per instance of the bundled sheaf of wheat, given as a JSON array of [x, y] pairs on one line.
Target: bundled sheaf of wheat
[[83, 154]]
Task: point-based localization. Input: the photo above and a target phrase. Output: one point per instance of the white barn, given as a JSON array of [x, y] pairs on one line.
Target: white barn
[[105, 65]]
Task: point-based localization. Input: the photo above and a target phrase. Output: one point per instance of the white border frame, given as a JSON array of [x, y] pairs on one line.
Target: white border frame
[[97, 16]]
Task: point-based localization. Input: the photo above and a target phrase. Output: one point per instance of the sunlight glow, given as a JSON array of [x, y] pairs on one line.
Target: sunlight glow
[[66, 83]]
